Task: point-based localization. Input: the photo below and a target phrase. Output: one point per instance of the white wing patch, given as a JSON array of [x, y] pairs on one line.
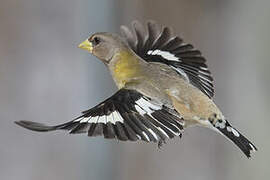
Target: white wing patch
[[144, 106], [93, 119], [85, 119], [113, 118], [110, 118], [102, 119], [117, 117], [140, 110], [165, 54]]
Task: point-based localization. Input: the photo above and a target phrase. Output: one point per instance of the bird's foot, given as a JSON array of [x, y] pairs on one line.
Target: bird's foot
[[160, 143]]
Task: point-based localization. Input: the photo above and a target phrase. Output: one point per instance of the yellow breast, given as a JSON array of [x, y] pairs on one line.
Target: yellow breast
[[126, 68]]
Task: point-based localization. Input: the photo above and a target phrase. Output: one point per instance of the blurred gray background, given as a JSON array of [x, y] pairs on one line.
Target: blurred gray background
[[44, 77]]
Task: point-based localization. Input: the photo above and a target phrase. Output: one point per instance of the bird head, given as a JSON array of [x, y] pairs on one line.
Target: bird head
[[103, 45]]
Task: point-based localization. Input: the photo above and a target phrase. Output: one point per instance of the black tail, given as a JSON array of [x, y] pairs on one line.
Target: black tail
[[241, 141]]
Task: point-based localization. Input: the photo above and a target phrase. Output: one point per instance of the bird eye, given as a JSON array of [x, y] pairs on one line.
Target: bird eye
[[96, 41]]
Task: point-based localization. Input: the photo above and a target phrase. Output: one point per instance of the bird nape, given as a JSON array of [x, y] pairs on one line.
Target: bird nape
[[164, 86]]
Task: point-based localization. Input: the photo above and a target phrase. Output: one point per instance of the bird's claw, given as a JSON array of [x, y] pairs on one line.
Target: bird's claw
[[160, 143]]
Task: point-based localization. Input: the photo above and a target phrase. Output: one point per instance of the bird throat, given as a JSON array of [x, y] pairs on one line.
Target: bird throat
[[126, 68]]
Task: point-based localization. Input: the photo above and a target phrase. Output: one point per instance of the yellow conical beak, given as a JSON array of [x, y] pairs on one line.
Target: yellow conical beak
[[87, 45]]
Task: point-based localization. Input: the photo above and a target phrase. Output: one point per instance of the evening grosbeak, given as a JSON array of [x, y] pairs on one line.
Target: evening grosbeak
[[164, 86]]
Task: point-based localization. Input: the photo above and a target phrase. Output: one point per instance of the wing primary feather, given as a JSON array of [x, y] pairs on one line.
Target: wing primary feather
[[167, 120], [130, 133], [151, 126], [153, 32], [129, 37], [164, 37], [172, 44], [91, 129], [182, 48], [135, 128], [109, 131], [168, 133], [140, 34], [98, 131], [141, 125], [121, 135], [80, 128], [190, 53]]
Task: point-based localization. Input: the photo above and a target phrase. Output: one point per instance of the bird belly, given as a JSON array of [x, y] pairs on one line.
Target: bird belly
[[194, 106]]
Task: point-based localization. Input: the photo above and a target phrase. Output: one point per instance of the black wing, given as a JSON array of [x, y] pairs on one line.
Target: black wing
[[158, 44], [127, 115]]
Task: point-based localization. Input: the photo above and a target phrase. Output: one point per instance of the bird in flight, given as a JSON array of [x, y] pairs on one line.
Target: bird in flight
[[164, 86]]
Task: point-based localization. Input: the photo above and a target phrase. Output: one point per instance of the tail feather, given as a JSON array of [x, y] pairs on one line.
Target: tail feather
[[235, 136]]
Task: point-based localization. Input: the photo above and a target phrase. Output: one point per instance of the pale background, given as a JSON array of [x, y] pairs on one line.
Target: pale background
[[44, 77]]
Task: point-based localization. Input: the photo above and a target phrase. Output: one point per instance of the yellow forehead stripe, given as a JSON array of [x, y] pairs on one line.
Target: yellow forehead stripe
[[86, 45]]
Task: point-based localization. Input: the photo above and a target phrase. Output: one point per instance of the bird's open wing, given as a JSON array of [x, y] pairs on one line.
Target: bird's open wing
[[158, 44], [127, 115]]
